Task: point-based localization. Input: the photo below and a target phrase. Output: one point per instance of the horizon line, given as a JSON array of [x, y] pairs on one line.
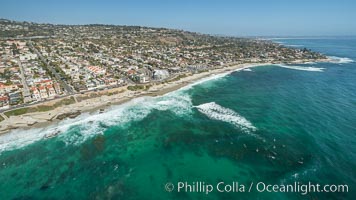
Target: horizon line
[[180, 29]]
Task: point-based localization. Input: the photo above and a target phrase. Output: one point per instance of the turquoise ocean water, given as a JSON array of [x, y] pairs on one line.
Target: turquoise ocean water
[[276, 124]]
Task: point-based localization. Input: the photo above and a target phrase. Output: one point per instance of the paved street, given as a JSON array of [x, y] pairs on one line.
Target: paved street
[[66, 87]]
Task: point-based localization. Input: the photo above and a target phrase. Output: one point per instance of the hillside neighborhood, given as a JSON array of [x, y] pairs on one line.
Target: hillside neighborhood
[[39, 62]]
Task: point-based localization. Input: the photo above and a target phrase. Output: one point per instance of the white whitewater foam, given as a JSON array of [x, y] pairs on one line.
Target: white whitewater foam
[[310, 62], [219, 76], [247, 70], [311, 69], [340, 60], [90, 125], [20, 138], [217, 112], [135, 110], [293, 45], [279, 42], [203, 80]]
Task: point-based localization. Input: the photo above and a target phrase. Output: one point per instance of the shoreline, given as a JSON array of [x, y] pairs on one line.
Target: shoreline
[[121, 95]]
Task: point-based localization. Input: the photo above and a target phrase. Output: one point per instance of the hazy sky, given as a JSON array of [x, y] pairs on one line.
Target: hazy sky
[[226, 17]]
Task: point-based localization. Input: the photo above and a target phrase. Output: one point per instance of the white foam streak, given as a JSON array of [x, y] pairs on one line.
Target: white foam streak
[[217, 112], [219, 76], [340, 60], [203, 80], [20, 138], [311, 69], [293, 45]]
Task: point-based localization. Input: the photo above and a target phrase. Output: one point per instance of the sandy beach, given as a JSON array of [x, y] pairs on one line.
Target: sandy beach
[[85, 103]]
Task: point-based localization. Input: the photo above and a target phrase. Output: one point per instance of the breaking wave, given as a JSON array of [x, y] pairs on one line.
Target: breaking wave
[[311, 69], [217, 112], [16, 139], [203, 80], [76, 131], [247, 70], [340, 60], [218, 76]]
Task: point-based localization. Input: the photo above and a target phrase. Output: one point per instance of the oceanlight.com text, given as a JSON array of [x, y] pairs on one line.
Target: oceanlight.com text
[[236, 187]]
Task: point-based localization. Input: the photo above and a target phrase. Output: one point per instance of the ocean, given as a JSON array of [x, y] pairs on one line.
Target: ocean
[[266, 125]]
